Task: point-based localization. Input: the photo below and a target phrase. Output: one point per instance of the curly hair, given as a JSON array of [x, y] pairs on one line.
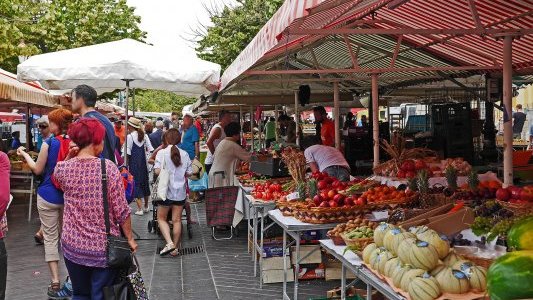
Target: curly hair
[[61, 117]]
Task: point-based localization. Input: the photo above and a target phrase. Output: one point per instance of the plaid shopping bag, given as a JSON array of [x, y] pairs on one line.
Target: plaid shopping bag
[[220, 205]]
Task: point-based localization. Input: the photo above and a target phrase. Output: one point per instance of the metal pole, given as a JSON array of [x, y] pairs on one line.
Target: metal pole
[[28, 128], [375, 120], [507, 103], [276, 114], [133, 102], [336, 114], [125, 151], [296, 118], [252, 125], [241, 119]]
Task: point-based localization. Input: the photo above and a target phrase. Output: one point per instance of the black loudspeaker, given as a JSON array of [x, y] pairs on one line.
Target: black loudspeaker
[[304, 93], [213, 97]]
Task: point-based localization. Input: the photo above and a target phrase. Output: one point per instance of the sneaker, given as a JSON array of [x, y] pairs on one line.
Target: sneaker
[[146, 209], [168, 248], [56, 292], [140, 212]]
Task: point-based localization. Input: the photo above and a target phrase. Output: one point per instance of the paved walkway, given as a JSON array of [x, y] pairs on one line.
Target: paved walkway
[[223, 270]]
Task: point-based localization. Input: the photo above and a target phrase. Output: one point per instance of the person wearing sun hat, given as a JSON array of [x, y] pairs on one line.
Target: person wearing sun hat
[[138, 146]]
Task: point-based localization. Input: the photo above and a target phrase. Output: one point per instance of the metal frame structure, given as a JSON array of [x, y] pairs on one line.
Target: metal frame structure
[[353, 46]]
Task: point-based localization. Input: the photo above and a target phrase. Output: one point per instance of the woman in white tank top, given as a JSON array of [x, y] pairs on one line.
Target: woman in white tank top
[[216, 134]]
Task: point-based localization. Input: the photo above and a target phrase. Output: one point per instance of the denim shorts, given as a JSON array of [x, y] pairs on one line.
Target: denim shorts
[[342, 173], [171, 202]]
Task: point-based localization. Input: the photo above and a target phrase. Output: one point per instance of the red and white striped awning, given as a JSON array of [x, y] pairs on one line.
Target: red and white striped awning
[[461, 35]]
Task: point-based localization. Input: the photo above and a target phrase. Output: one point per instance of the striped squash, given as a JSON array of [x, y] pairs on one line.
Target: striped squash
[[391, 265], [420, 229], [393, 238], [404, 249], [409, 276], [382, 260], [452, 281], [424, 288], [451, 259], [439, 242], [398, 274], [477, 275], [374, 255], [380, 231], [367, 251], [423, 256]]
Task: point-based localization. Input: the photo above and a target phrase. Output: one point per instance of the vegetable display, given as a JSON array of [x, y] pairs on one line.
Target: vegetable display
[[510, 276]]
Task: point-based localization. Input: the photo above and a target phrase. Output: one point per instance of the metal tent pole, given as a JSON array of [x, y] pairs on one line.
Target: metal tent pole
[[241, 120], [252, 125], [296, 118], [375, 118], [507, 103], [125, 150], [276, 115], [336, 116]]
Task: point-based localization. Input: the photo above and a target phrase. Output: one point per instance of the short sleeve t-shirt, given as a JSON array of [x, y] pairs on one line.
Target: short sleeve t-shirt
[[324, 157], [188, 138], [47, 189], [109, 141], [177, 184], [519, 118]]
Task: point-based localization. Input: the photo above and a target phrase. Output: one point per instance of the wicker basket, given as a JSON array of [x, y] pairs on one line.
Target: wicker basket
[[479, 261], [357, 243], [337, 240], [16, 165], [519, 209], [327, 215]]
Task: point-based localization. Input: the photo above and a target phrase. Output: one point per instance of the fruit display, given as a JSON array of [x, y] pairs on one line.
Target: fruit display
[[461, 166], [251, 179], [357, 239], [493, 220], [335, 233], [510, 277], [268, 191], [516, 195], [412, 265], [385, 194]]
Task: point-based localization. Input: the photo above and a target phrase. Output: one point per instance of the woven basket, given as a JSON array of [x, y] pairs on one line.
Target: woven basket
[[357, 243], [519, 209], [480, 261], [327, 215], [337, 240]]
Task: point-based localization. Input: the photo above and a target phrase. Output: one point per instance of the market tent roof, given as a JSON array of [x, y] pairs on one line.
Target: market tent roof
[[106, 66], [16, 94], [407, 42]]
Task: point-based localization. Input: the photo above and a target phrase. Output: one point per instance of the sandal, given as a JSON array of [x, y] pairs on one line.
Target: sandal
[[175, 253], [168, 248]]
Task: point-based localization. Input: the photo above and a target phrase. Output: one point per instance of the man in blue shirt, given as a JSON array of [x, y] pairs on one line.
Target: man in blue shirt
[[190, 137], [83, 102]]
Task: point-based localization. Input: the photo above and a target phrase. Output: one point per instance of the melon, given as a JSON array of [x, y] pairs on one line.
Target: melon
[[380, 231], [419, 229], [381, 259], [452, 281], [437, 270], [423, 256], [409, 276], [424, 288], [520, 236], [451, 259], [393, 238], [510, 276], [367, 251], [476, 275], [439, 242], [398, 274], [404, 249], [391, 266], [374, 255]]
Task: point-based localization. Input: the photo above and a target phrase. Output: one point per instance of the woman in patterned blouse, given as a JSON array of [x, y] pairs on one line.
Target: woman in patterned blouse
[[83, 238]]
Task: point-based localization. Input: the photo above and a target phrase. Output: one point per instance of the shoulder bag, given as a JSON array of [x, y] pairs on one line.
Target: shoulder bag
[[118, 250], [163, 178]]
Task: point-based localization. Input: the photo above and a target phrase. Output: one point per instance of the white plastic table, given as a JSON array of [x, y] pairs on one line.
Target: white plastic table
[[24, 176]]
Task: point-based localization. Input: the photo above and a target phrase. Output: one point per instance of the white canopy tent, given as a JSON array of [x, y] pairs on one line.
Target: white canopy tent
[[122, 64]]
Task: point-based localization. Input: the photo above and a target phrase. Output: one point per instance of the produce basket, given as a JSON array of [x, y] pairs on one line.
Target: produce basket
[[519, 209], [477, 260], [360, 243], [287, 208], [337, 240], [16, 165], [327, 215]]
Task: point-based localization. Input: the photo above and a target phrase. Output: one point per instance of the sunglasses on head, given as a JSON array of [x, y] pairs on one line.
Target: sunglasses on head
[[43, 126]]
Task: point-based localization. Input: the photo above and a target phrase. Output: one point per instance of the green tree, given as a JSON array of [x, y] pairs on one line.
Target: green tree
[[233, 28], [29, 27], [159, 101]]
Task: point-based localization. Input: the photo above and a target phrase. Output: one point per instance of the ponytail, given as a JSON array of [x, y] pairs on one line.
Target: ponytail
[[172, 138], [175, 155]]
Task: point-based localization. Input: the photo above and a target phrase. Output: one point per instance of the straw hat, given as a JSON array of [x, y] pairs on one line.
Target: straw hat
[[198, 170], [134, 122]]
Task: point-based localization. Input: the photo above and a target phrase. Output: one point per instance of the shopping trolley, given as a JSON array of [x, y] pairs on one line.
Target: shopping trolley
[[220, 206]]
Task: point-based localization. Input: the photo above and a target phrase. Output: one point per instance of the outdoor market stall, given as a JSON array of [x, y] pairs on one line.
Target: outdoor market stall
[[350, 48]]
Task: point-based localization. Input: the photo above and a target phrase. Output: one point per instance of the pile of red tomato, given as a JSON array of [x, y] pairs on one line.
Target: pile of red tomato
[[268, 191], [515, 194], [328, 192], [409, 168]]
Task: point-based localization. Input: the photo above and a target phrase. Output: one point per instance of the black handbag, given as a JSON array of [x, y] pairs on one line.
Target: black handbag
[[129, 286], [118, 252]]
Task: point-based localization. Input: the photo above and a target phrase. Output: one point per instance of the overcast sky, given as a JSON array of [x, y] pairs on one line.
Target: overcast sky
[[169, 22]]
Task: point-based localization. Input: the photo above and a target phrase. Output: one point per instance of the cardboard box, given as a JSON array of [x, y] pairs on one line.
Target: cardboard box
[[334, 269], [276, 276], [314, 258], [275, 263], [448, 223], [273, 250], [309, 272]]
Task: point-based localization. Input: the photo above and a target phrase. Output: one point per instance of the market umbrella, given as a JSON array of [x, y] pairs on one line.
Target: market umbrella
[[124, 63]]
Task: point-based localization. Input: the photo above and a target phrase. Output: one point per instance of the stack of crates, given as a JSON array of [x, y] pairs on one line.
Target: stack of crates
[[452, 130]]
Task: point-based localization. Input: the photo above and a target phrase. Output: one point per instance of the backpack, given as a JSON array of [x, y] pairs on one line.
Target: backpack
[[129, 183], [64, 146]]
